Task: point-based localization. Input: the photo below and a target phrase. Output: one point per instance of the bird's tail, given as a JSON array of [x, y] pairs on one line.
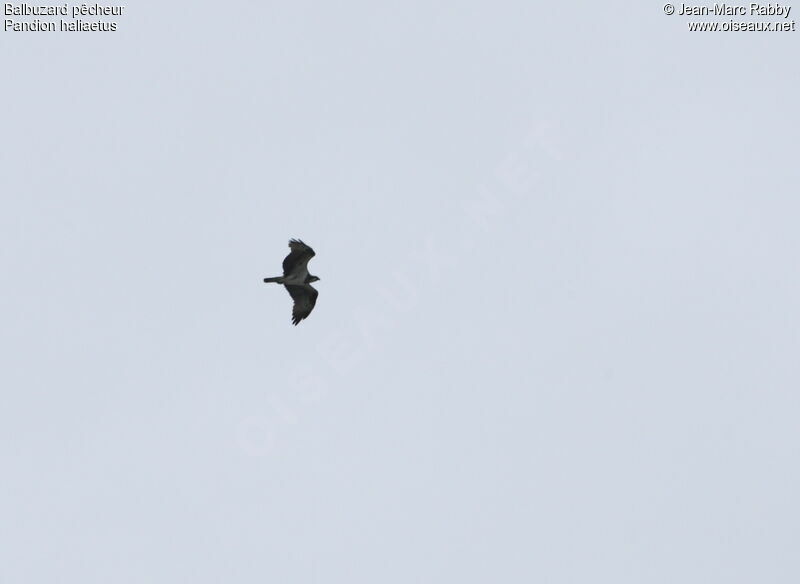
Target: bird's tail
[[277, 279]]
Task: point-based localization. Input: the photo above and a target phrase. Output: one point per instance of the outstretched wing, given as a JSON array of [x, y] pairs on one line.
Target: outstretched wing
[[305, 297], [297, 258]]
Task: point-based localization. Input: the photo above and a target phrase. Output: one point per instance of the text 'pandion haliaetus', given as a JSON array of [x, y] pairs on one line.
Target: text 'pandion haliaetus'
[[297, 280]]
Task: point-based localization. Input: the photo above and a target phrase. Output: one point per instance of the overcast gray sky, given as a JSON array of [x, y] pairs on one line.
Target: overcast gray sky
[[556, 337]]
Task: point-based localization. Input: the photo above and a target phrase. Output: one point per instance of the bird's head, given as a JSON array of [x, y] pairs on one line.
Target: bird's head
[[312, 279]]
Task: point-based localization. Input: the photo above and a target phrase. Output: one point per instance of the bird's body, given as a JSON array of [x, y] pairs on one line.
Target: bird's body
[[297, 280]]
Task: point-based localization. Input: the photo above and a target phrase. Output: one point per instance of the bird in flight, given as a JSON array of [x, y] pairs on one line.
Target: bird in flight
[[297, 280]]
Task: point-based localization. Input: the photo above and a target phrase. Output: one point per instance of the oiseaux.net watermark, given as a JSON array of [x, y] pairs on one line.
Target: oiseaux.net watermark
[[724, 17]]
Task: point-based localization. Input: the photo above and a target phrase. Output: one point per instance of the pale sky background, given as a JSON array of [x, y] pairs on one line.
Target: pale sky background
[[557, 332]]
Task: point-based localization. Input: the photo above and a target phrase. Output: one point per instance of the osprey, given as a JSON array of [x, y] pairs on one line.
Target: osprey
[[297, 280]]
